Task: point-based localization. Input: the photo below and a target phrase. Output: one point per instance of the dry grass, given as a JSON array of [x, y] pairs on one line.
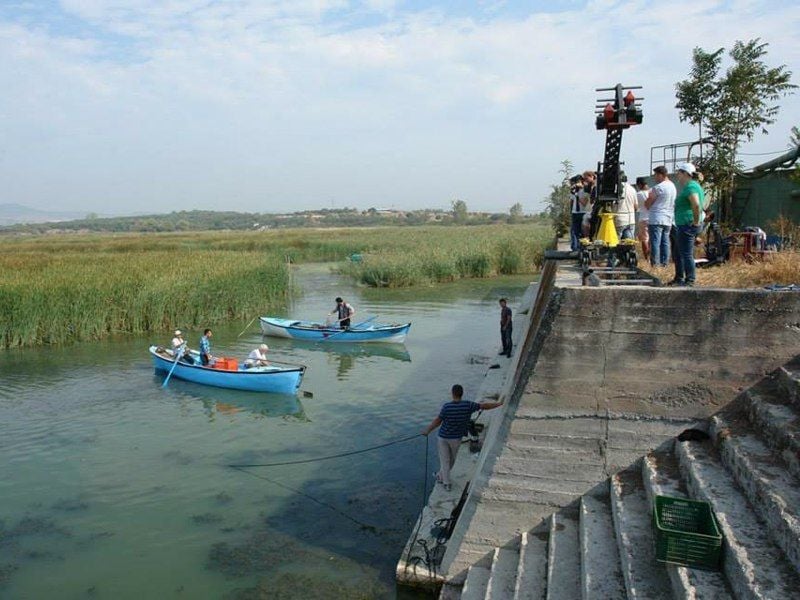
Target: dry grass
[[782, 268]]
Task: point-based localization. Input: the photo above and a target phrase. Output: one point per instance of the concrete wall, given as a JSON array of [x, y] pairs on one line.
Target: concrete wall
[[605, 375]]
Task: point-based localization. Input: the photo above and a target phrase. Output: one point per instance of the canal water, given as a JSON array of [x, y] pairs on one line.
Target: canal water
[[114, 487]]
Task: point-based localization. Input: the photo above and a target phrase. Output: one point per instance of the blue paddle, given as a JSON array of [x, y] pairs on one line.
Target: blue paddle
[[351, 328], [178, 354]]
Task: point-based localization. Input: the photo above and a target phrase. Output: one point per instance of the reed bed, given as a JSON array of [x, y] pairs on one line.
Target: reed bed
[[60, 289], [422, 259]]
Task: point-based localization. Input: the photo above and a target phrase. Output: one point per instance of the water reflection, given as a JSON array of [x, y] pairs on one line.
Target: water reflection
[[353, 349], [220, 401]]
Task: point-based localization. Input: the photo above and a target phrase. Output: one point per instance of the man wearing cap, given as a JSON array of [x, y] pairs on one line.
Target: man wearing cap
[[257, 357], [660, 205], [179, 345], [688, 220]]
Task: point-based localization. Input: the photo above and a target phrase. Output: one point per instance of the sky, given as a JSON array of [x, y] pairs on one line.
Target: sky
[[136, 106]]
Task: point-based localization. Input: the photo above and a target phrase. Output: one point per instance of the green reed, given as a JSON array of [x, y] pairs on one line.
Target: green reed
[[59, 289]]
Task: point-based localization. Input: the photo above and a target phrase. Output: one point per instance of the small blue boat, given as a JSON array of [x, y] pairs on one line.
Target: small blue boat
[[321, 332], [276, 378]]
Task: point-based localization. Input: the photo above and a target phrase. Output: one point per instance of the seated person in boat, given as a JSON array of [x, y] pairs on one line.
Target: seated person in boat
[[343, 312], [205, 348], [258, 357], [179, 345]]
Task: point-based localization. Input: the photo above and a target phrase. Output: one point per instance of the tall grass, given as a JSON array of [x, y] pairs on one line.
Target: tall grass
[[425, 257], [55, 290]]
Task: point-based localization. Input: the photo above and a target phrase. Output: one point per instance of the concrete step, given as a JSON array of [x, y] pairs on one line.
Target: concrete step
[[532, 569], [754, 566], [770, 488], [578, 467], [563, 558], [661, 477], [601, 572], [503, 575], [779, 424], [552, 455], [645, 578], [547, 440], [511, 486], [476, 584]]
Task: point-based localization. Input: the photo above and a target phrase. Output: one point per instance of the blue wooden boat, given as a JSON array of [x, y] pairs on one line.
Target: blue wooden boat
[[321, 332], [276, 378]]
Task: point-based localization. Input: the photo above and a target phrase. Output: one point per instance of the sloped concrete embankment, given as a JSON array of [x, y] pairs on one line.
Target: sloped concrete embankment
[[605, 376]]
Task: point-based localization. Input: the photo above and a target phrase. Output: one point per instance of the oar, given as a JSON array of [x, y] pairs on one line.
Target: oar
[[352, 328], [246, 328], [178, 354]]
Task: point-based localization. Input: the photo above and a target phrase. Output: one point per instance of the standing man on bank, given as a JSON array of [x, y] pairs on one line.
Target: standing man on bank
[[454, 419], [505, 327], [661, 208]]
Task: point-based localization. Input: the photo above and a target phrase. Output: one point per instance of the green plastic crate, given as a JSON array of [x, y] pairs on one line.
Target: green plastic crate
[[686, 533]]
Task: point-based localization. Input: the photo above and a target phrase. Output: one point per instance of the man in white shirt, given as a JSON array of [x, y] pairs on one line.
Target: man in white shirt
[[625, 214], [661, 207], [257, 357], [641, 224], [179, 346]]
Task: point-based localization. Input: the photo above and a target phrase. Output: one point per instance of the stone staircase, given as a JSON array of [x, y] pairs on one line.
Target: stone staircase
[[603, 546]]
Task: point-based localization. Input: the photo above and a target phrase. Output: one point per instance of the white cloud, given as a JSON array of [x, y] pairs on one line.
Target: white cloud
[[191, 101]]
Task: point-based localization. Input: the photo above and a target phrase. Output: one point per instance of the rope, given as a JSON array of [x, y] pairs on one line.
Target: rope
[[362, 525], [331, 456], [423, 503]]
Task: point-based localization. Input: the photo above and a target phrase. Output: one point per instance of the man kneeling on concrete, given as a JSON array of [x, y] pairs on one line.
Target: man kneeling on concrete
[[454, 420]]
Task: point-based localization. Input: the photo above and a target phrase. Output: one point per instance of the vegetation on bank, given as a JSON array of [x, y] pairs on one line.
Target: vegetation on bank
[[206, 220], [781, 268], [59, 289]]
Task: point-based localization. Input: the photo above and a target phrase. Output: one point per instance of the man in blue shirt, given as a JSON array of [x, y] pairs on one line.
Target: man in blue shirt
[[205, 347], [454, 420]]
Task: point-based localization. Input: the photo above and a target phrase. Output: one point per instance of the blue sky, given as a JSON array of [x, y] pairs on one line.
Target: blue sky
[[130, 106]]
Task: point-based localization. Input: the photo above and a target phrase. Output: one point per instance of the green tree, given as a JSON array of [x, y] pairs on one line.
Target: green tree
[[557, 202], [795, 143], [460, 213], [515, 213], [732, 107]]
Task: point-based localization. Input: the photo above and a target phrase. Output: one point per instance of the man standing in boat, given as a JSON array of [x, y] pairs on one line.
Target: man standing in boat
[[343, 312], [205, 348]]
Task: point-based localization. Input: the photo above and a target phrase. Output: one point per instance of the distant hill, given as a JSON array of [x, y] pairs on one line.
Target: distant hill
[[203, 220], [12, 214]]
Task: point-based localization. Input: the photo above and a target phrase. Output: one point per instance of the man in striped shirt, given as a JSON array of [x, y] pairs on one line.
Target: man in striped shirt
[[454, 420]]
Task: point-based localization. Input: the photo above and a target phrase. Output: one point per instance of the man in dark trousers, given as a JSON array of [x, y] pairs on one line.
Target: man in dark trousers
[[505, 327]]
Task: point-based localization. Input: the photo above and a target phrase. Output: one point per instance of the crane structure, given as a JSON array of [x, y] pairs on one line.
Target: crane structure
[[615, 114]]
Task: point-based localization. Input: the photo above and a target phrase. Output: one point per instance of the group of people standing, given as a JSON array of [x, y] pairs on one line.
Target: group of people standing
[[667, 217], [669, 212]]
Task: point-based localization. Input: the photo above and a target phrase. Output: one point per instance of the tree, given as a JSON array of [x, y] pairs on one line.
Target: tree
[[732, 107], [558, 208], [794, 143], [515, 213], [459, 208]]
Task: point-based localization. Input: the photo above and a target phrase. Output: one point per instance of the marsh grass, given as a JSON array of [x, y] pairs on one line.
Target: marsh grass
[[59, 289], [782, 268]]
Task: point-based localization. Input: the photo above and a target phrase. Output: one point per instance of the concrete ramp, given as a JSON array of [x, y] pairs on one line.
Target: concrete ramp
[[604, 377]]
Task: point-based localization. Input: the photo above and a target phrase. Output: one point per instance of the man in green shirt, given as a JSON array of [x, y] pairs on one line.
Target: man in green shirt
[[688, 220]]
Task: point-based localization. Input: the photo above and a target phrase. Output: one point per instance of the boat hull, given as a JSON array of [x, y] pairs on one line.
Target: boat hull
[[311, 331], [276, 380]]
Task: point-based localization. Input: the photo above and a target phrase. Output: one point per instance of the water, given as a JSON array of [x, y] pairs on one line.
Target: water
[[113, 487]]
